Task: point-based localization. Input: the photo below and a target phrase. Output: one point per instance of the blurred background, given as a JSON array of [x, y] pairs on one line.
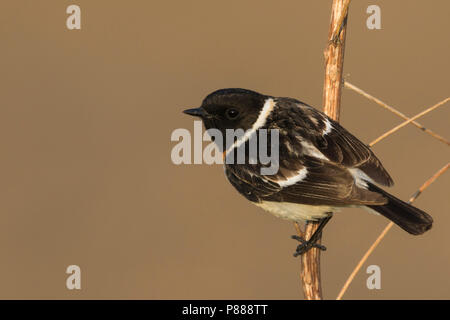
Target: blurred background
[[86, 175]]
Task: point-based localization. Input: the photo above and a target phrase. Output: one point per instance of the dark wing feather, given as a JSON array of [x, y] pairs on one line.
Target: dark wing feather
[[354, 153], [325, 183], [331, 184], [338, 145]]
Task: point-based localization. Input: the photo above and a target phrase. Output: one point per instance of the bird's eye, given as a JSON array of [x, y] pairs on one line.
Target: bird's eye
[[232, 114]]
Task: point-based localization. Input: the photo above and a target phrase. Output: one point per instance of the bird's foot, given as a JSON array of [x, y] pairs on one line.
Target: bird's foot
[[305, 245]]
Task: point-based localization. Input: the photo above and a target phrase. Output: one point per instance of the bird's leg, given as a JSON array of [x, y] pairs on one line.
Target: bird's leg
[[305, 245]]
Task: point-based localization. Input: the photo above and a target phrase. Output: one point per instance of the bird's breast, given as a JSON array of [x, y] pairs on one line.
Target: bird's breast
[[296, 211]]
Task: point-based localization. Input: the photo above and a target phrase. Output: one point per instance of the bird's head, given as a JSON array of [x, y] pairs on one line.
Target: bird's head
[[230, 109]]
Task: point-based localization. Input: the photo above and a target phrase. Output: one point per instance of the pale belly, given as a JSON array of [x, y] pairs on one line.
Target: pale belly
[[295, 211]]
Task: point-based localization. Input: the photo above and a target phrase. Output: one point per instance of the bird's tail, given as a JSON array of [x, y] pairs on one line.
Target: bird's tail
[[407, 217]]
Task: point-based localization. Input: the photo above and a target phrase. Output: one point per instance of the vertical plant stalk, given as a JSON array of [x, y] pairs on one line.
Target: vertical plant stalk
[[334, 61]]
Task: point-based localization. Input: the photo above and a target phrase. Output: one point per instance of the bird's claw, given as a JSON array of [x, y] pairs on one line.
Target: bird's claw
[[306, 245]]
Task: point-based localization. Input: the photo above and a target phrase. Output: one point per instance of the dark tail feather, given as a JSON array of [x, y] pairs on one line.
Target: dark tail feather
[[407, 217]]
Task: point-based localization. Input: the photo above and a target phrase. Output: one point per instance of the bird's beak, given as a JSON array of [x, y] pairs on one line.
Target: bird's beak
[[196, 112]]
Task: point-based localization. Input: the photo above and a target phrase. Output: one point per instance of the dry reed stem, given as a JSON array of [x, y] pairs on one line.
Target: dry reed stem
[[334, 60], [385, 231], [401, 125], [340, 24], [394, 111]]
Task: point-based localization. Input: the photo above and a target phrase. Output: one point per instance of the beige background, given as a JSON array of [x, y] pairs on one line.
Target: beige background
[[85, 122]]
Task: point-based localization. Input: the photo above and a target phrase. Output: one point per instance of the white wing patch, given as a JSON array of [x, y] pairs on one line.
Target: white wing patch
[[301, 174], [328, 127], [310, 150], [360, 177]]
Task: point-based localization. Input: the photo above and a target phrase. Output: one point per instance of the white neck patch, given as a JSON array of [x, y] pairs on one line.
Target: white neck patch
[[269, 104]]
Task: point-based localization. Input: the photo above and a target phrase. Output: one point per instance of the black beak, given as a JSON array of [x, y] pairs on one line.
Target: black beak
[[196, 112]]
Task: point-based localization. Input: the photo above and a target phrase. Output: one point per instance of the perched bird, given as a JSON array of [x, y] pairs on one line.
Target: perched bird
[[322, 167]]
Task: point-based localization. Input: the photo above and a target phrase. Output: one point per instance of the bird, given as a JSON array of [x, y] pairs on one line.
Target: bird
[[322, 167]]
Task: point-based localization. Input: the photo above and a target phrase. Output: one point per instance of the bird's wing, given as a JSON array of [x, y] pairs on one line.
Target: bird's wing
[[307, 180], [328, 137]]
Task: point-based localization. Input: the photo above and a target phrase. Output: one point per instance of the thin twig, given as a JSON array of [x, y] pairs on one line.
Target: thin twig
[[428, 182], [334, 60], [401, 125], [385, 231], [394, 111]]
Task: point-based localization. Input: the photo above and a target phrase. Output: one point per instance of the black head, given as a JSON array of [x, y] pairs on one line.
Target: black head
[[230, 109]]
